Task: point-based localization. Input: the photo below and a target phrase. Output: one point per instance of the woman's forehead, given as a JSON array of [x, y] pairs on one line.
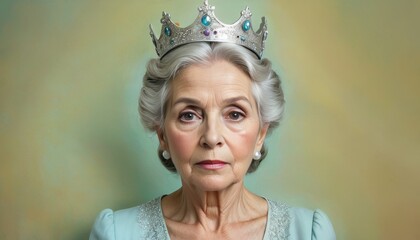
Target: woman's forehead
[[215, 73], [219, 83]]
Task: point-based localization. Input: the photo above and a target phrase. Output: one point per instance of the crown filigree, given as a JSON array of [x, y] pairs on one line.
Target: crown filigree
[[207, 28]]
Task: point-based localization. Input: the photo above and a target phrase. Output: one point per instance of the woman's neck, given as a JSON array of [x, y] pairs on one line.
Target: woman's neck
[[215, 209]]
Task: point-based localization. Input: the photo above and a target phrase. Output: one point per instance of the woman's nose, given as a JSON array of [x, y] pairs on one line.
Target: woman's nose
[[212, 134]]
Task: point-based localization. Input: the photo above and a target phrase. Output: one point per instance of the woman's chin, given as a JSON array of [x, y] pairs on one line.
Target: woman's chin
[[212, 183]]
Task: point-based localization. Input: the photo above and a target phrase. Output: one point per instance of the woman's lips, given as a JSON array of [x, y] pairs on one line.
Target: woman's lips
[[212, 164]]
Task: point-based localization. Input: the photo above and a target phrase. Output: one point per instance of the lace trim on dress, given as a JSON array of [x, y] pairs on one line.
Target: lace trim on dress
[[151, 222], [278, 221]]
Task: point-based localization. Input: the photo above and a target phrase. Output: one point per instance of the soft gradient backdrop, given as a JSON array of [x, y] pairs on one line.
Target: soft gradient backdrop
[[71, 142]]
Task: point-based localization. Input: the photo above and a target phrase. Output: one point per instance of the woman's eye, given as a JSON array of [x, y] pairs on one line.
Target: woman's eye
[[187, 116], [236, 116]]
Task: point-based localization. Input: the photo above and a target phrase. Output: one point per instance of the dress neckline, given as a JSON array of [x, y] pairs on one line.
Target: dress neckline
[[277, 219]]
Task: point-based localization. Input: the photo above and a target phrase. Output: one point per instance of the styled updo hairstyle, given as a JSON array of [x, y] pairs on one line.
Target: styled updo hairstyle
[[157, 80]]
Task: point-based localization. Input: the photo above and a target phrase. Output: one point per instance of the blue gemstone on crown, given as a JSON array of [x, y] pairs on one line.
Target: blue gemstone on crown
[[206, 20], [246, 25], [168, 31]]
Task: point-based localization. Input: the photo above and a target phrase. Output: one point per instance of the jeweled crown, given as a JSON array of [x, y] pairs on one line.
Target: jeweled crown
[[207, 28]]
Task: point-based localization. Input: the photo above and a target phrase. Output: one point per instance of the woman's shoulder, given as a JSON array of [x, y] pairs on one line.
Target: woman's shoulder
[[303, 223], [109, 224], [310, 223], [130, 223]]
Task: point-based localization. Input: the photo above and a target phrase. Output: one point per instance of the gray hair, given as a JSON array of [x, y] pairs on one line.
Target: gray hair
[[154, 94]]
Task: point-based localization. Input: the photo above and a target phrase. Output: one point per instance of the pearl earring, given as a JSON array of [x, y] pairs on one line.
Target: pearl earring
[[166, 155], [257, 156]]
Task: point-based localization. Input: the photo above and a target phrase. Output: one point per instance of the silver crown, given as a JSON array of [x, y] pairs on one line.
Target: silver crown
[[207, 28]]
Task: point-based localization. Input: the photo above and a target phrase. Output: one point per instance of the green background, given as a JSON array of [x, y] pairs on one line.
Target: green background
[[72, 144]]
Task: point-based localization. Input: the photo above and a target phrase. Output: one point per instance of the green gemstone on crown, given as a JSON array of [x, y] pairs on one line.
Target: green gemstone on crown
[[168, 31]]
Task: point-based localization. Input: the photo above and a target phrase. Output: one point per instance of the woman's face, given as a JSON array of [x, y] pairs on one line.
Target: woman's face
[[212, 127]]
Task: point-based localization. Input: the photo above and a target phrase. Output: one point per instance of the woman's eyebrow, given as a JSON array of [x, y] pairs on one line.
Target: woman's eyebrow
[[187, 100], [228, 101]]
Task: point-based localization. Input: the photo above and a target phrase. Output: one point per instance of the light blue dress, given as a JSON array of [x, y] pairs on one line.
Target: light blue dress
[[147, 222]]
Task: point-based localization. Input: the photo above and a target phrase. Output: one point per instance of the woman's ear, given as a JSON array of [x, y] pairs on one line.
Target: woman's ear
[[162, 139], [261, 135]]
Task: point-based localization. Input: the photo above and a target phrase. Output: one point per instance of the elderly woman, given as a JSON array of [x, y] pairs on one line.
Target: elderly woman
[[211, 100]]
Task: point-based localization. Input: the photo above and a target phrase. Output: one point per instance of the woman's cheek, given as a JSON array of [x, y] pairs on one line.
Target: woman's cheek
[[243, 142], [180, 144]]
